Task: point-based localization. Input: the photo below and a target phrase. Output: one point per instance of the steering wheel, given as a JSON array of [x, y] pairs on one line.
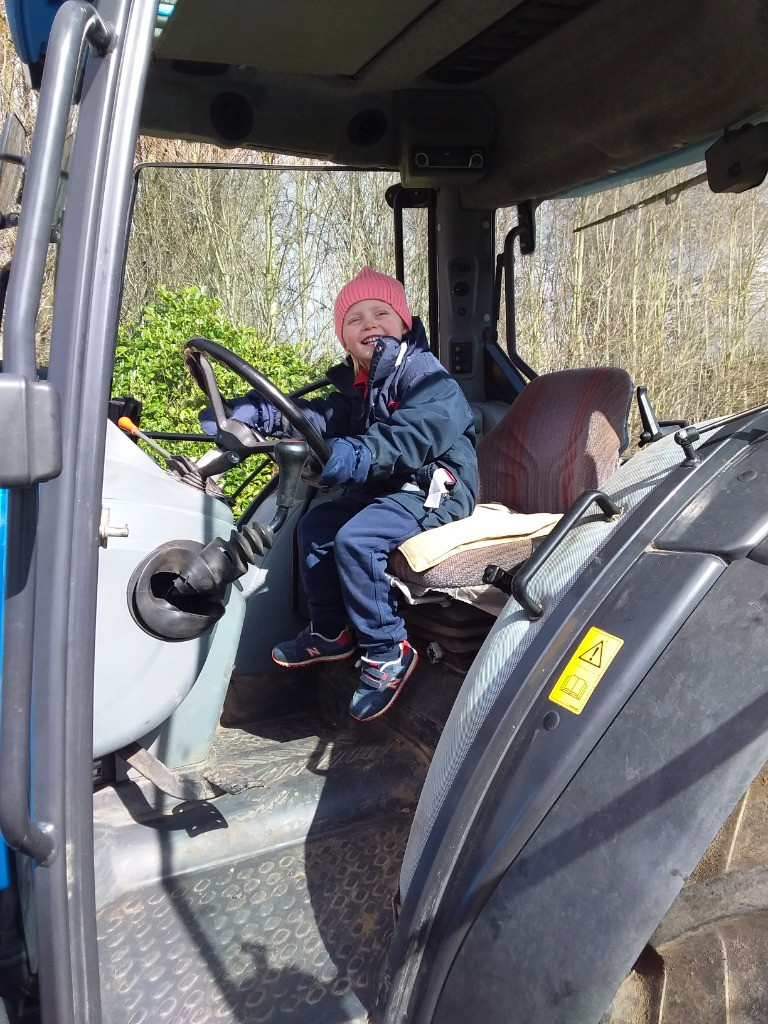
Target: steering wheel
[[195, 352]]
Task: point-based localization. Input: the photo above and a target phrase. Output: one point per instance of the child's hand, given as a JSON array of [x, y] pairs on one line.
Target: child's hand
[[250, 409], [349, 462]]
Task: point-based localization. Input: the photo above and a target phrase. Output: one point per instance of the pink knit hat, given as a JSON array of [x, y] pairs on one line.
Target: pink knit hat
[[369, 284]]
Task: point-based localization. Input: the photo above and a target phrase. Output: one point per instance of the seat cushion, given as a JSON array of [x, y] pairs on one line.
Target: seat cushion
[[466, 568], [487, 526], [561, 437]]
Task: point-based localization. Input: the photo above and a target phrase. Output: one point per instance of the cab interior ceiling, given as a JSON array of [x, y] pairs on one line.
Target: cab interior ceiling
[[558, 93]]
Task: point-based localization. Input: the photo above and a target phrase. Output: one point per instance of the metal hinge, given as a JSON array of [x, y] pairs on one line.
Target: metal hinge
[[106, 531]]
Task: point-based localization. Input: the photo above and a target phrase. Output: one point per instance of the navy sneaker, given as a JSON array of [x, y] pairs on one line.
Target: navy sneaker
[[381, 682], [309, 647]]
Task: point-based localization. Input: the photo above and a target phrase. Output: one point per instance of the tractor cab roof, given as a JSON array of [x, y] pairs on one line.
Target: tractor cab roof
[[506, 100]]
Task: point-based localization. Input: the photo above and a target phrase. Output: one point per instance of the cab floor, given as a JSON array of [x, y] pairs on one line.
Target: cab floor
[[273, 900], [295, 935]]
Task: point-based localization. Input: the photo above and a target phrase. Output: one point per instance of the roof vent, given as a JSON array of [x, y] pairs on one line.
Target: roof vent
[[529, 22]]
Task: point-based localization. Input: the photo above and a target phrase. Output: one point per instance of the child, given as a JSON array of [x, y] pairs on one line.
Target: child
[[402, 447]]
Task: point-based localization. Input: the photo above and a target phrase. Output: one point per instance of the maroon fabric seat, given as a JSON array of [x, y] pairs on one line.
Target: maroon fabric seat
[[561, 437]]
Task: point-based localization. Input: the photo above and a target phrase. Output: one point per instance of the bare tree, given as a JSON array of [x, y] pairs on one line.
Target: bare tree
[[673, 291], [274, 244]]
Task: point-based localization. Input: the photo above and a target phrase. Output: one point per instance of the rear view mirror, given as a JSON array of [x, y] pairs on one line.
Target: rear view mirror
[[738, 160]]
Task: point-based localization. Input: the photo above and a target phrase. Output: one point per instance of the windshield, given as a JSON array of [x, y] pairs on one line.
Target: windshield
[[273, 244]]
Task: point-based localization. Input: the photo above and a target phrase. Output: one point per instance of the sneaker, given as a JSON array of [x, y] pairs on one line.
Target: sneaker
[[381, 683], [309, 647]]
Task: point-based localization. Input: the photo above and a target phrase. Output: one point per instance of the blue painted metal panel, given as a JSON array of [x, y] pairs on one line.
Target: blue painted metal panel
[[3, 525], [30, 24]]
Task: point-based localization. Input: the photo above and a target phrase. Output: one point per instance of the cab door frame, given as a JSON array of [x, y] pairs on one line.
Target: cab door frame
[[57, 568]]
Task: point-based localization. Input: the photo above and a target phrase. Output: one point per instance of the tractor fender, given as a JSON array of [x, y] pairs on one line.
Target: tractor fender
[[556, 926]]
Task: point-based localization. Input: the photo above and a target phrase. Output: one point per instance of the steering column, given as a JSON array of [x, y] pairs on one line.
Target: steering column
[[178, 591]]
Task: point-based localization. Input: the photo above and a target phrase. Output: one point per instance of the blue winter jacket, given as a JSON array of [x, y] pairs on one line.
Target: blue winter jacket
[[414, 419]]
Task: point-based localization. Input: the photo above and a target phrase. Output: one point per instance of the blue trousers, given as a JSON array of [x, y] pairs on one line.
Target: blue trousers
[[343, 549]]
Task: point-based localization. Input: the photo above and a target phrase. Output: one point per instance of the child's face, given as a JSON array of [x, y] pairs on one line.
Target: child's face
[[366, 322]]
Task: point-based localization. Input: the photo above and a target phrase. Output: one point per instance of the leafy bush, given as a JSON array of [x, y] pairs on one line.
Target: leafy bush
[[149, 365]]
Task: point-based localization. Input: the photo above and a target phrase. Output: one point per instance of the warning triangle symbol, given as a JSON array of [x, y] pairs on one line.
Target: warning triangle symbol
[[593, 655]]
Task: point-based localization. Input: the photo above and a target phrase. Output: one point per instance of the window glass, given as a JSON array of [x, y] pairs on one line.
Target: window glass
[[661, 277], [274, 244]]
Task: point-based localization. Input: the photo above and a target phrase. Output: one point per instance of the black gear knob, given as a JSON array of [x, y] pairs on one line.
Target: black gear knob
[[290, 455]]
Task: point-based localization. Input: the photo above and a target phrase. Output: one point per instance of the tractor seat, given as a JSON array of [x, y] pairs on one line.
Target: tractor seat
[[562, 436]]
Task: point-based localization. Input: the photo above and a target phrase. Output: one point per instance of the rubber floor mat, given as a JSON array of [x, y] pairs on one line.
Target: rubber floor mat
[[296, 936]]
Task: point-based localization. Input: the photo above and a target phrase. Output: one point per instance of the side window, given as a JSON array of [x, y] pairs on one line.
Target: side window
[[661, 277]]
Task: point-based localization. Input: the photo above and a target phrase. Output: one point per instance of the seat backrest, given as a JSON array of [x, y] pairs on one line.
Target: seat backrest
[[562, 436]]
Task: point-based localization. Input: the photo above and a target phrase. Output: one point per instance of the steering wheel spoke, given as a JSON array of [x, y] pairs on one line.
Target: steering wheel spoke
[[195, 352]]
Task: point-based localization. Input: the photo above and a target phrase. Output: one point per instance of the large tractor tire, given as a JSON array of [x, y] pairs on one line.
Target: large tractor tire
[[708, 959]]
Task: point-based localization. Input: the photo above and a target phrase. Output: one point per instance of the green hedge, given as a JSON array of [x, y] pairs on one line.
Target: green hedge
[[150, 366]]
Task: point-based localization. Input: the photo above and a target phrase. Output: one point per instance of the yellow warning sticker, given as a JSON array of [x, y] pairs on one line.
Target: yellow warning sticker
[[584, 671]]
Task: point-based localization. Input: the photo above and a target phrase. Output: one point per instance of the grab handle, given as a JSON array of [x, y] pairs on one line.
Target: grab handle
[[75, 23], [518, 585]]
